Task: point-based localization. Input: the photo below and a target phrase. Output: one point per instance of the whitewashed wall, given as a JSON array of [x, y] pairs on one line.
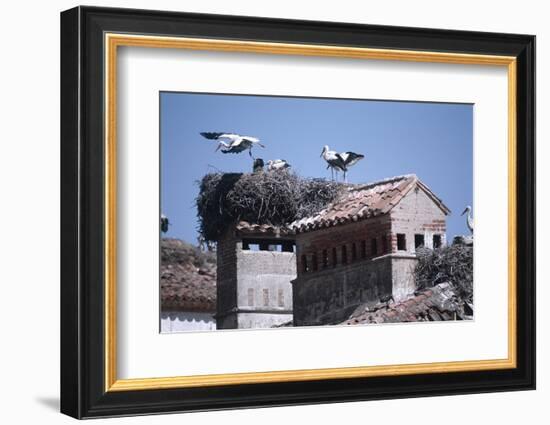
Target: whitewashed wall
[[182, 321]]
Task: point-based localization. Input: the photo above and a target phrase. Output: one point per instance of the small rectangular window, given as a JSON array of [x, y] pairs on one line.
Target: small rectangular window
[[334, 257], [373, 247], [418, 241], [266, 297], [288, 247], [251, 297], [401, 242], [353, 252], [363, 249], [437, 241], [281, 298], [304, 264], [325, 258], [344, 254]]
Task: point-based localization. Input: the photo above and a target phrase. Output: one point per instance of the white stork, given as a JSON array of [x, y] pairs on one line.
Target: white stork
[[469, 218], [334, 160], [233, 143], [340, 161], [277, 164]]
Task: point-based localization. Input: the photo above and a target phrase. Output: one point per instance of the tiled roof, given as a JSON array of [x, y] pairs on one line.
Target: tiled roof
[[244, 227], [434, 304], [187, 278], [364, 201]]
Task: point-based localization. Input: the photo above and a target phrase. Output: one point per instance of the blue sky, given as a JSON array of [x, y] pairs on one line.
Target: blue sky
[[432, 140]]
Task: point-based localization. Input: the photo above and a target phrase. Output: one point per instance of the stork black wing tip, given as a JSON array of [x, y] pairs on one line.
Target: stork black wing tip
[[211, 135]]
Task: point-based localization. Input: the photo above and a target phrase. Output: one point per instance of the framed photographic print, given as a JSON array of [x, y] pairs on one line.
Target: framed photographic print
[[261, 212]]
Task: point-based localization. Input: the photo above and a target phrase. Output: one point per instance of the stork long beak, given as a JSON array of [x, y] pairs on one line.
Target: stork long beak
[[218, 148], [464, 212], [259, 144]]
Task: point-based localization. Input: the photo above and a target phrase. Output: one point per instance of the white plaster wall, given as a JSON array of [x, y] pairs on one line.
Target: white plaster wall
[[181, 321]]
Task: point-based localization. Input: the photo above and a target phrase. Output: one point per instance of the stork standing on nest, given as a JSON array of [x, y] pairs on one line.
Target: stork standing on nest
[[469, 218], [232, 142], [340, 161]]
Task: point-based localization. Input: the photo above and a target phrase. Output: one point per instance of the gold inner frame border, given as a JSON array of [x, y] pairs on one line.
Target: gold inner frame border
[[113, 40]]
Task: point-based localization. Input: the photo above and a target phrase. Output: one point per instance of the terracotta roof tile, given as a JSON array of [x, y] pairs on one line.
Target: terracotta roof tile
[[245, 227], [184, 285], [363, 201], [435, 304]]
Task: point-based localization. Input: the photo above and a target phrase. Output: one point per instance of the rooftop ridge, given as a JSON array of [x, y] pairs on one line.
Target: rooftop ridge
[[365, 201], [370, 185]]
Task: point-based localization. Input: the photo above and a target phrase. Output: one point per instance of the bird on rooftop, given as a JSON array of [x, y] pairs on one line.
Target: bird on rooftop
[[277, 164], [164, 223], [334, 160], [340, 161], [232, 142], [469, 218]]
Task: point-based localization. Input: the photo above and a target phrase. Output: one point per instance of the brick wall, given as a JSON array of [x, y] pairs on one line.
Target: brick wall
[[417, 214], [311, 245], [329, 287]]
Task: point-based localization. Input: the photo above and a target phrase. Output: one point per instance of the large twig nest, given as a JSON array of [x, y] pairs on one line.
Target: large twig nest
[[452, 264], [276, 198]]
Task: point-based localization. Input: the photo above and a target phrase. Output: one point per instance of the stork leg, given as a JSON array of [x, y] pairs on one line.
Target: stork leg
[[332, 173], [345, 178]]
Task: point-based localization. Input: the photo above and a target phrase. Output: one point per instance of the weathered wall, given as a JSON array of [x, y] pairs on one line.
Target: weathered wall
[[331, 295], [264, 279], [313, 243], [416, 213], [254, 320], [254, 289], [402, 276], [226, 274]]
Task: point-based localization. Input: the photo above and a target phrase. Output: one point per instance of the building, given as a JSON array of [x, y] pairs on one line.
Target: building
[[361, 248], [187, 288], [255, 265]]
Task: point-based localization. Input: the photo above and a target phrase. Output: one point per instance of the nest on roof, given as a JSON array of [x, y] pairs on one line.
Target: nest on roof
[[452, 264], [276, 198]]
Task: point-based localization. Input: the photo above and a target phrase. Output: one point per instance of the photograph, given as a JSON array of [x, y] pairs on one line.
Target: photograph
[[280, 211]]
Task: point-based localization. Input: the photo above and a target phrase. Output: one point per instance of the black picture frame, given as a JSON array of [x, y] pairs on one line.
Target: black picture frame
[[83, 392]]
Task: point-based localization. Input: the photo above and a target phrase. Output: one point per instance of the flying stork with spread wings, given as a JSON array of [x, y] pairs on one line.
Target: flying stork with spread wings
[[232, 142]]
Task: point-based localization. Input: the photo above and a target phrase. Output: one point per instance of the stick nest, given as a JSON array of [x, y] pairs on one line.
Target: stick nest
[[276, 198], [452, 264]]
